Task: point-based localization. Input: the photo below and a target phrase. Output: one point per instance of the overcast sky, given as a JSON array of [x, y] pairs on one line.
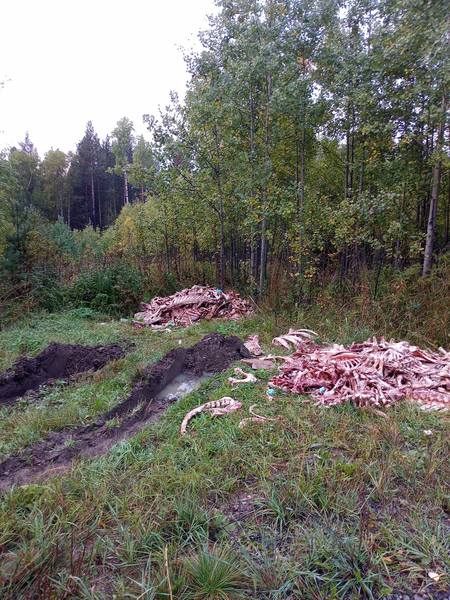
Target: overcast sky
[[97, 60]]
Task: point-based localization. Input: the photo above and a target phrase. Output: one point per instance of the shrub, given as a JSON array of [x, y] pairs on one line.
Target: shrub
[[115, 289]]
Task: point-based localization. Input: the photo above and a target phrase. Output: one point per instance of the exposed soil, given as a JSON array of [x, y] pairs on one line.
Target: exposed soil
[[57, 361], [213, 354]]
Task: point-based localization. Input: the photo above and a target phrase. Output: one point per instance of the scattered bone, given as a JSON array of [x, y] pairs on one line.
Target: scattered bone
[[248, 377], [294, 337], [375, 411], [217, 407], [256, 418], [252, 345], [373, 374], [259, 363], [191, 305]]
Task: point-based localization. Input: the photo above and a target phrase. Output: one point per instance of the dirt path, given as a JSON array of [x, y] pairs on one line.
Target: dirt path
[[213, 354]]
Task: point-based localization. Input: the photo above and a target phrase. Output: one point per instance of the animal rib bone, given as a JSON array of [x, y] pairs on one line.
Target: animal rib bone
[[294, 337], [190, 305], [217, 407], [256, 418]]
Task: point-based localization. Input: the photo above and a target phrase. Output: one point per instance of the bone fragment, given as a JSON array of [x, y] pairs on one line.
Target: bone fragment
[[248, 377], [252, 345], [256, 418]]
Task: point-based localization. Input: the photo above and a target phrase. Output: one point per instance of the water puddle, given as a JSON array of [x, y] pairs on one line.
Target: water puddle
[[182, 385]]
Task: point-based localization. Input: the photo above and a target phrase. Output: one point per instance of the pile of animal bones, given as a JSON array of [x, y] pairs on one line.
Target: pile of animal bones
[[190, 305], [373, 374]]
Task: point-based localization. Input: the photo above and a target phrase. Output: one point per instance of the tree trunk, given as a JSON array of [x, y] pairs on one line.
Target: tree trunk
[[253, 254], [68, 211], [447, 218], [347, 162], [431, 228], [125, 181], [262, 273], [221, 213], [94, 219], [397, 248], [100, 222], [302, 202]]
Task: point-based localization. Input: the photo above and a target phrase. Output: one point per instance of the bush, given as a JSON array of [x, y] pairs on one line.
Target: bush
[[46, 289], [114, 290], [63, 238]]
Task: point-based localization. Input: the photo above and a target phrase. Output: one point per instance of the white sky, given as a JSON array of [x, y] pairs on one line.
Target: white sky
[[97, 60]]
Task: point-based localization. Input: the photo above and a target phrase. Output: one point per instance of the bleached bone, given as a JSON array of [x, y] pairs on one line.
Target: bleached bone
[[252, 345], [294, 337], [256, 418], [217, 407], [248, 377]]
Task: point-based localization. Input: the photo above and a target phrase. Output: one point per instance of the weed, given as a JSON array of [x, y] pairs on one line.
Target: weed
[[214, 574]]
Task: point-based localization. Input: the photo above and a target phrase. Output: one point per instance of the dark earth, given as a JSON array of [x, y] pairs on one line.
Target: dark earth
[[213, 354], [57, 361]]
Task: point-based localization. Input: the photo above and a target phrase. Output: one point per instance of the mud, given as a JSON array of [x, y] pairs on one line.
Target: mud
[[57, 361], [55, 454]]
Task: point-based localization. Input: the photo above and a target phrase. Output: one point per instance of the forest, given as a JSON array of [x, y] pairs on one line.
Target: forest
[[309, 159]]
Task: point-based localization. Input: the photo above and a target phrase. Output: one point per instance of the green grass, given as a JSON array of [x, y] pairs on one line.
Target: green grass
[[339, 503]]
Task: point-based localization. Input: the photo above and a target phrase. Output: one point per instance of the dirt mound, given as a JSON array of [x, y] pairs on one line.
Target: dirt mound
[[214, 353], [57, 361]]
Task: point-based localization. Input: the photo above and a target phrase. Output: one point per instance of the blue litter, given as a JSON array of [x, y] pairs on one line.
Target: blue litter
[[271, 392], [219, 291], [322, 390]]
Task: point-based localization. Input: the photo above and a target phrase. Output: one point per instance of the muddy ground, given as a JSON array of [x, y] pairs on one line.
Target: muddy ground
[[213, 354], [57, 361]]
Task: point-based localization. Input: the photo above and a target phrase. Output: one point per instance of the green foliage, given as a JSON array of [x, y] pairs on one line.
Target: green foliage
[[17, 253], [115, 290], [88, 241], [53, 171], [64, 239], [306, 145], [82, 313], [47, 291]]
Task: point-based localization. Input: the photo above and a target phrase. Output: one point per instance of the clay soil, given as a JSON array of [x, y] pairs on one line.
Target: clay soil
[[57, 361], [55, 454]]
